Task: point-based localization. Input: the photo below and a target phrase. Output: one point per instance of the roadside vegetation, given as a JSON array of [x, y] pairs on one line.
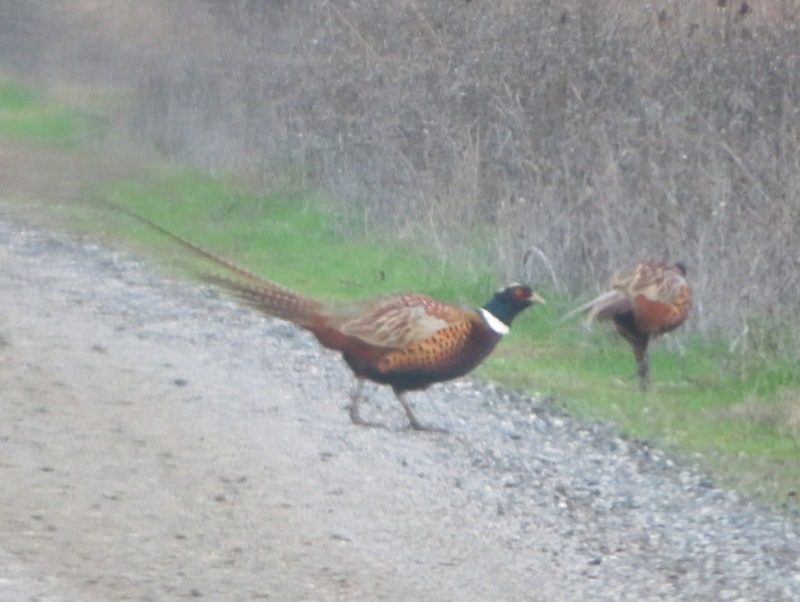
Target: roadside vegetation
[[25, 117], [731, 406]]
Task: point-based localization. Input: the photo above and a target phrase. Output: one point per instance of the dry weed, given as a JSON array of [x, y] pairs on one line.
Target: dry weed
[[782, 412], [596, 132]]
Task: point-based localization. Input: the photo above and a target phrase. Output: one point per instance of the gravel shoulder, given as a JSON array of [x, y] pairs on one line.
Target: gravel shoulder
[[160, 442]]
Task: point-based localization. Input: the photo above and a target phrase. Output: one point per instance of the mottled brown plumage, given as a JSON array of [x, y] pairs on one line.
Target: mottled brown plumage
[[650, 299], [407, 341]]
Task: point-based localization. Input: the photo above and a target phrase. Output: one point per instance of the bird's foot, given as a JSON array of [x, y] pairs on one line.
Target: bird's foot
[[356, 418], [412, 418], [644, 382], [427, 429]]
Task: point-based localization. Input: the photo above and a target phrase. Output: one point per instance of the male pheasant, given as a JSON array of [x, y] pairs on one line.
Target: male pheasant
[[407, 341], [649, 299]]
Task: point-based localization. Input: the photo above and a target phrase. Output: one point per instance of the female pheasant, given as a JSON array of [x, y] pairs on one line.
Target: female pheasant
[[407, 341], [649, 299]]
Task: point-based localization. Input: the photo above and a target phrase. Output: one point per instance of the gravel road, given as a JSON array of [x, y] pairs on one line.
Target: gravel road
[[159, 442]]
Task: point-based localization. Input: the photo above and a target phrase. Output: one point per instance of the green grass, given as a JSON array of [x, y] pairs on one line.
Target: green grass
[[725, 408], [299, 240], [25, 117]]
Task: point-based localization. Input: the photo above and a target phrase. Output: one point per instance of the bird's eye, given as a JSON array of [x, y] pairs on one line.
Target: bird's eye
[[521, 292]]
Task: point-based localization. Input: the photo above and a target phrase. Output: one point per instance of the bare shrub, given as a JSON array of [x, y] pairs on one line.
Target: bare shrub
[[553, 141]]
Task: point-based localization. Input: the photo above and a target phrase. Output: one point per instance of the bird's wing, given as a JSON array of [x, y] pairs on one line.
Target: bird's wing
[[400, 320], [656, 281]]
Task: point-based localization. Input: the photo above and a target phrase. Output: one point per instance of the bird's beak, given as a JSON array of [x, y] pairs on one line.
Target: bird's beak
[[536, 299]]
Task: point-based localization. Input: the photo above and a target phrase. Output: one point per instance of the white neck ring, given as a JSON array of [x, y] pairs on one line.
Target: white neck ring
[[493, 322]]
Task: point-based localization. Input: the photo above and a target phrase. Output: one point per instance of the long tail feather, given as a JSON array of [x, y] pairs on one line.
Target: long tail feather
[[220, 261], [596, 306], [258, 292], [271, 298]]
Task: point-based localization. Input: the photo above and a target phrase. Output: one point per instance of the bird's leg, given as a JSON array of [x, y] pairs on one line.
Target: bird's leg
[[355, 399], [642, 368], [415, 424], [626, 326]]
